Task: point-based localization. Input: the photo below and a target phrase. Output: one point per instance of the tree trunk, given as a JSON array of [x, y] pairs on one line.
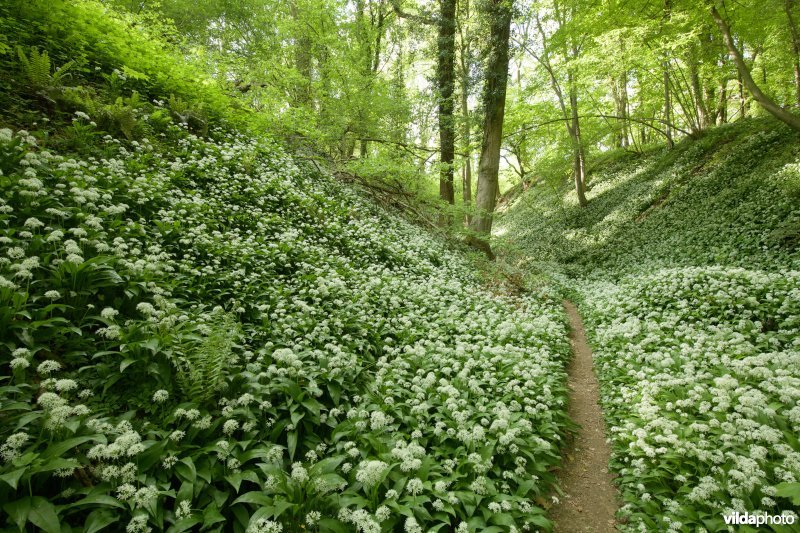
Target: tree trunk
[[722, 105], [619, 92], [667, 97], [467, 169], [578, 154], [494, 101], [766, 102], [789, 6], [701, 113], [302, 60], [445, 70], [667, 107]]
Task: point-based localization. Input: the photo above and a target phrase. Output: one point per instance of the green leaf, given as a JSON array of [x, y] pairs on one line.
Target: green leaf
[[297, 416], [291, 441], [332, 525], [235, 479], [327, 465], [256, 497], [186, 470], [97, 497], [186, 492], [99, 519], [58, 449], [313, 406], [12, 478], [18, 511], [789, 490], [502, 519], [43, 515], [184, 524], [57, 463], [212, 516]]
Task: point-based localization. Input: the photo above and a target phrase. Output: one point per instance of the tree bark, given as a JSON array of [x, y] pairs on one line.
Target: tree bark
[[302, 59], [467, 169], [667, 98], [701, 113], [494, 101], [445, 74], [766, 102], [789, 6], [722, 105], [667, 107], [578, 154]]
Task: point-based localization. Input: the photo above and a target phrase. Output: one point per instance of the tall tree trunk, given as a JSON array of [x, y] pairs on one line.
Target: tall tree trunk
[[302, 59], [445, 73], [722, 104], [789, 7], [619, 92], [667, 107], [667, 98], [766, 102], [494, 102], [742, 97], [578, 153], [464, 56], [701, 113], [627, 131]]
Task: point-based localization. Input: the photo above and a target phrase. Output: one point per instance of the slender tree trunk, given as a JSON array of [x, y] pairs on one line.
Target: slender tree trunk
[[765, 101], [627, 130], [578, 153], [789, 7], [722, 105], [302, 59], [701, 113], [619, 92], [667, 107], [445, 71], [742, 97], [494, 101], [467, 169], [667, 97]]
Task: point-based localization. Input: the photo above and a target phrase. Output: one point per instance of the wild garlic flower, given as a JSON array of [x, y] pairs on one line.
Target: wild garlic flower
[[160, 396], [371, 472]]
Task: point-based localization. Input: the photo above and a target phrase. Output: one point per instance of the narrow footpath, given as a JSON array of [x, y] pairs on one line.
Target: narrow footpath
[[590, 497]]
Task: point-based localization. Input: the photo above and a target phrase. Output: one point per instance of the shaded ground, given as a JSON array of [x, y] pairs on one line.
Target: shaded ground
[[590, 498]]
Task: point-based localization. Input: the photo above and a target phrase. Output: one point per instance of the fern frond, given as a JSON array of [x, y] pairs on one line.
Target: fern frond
[[203, 370]]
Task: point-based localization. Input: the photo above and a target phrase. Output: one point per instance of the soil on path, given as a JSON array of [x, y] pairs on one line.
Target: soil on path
[[590, 498]]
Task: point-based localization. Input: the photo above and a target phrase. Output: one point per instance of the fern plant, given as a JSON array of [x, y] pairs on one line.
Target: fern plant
[[194, 117], [122, 116], [202, 370], [36, 67]]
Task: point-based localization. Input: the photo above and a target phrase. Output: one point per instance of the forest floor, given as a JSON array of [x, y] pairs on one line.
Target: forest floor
[[590, 498]]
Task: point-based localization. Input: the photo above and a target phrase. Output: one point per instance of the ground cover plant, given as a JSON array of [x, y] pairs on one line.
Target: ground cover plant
[[686, 267], [215, 336]]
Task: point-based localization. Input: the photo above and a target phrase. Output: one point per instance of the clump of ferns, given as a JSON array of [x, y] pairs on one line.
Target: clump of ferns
[[202, 365]]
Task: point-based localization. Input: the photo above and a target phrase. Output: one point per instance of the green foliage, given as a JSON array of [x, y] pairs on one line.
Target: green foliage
[[207, 332], [115, 54], [36, 68], [686, 268], [202, 368]]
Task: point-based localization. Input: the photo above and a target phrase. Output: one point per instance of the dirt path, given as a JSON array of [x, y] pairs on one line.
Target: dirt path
[[590, 500]]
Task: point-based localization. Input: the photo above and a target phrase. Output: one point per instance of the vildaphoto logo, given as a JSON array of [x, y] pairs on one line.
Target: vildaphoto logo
[[758, 519]]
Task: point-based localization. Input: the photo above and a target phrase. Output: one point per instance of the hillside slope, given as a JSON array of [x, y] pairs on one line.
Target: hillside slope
[[212, 334], [686, 266]]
